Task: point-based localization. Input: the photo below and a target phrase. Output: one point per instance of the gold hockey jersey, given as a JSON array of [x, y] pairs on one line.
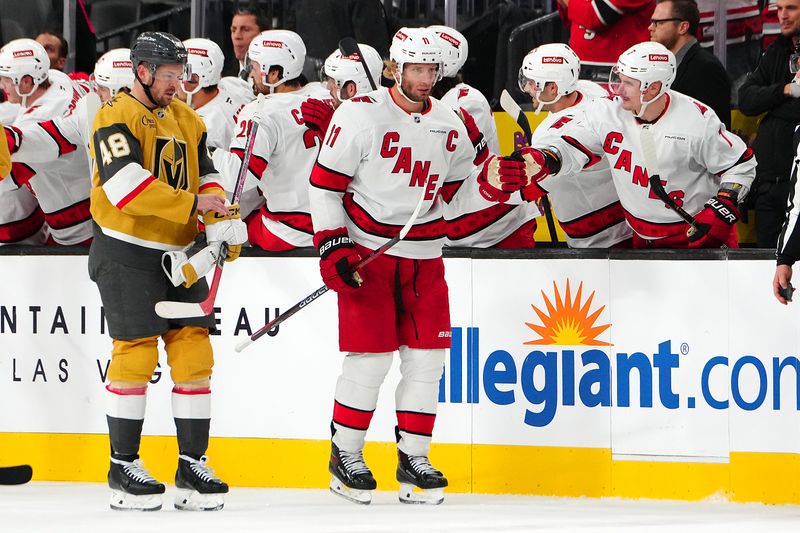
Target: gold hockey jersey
[[5, 156], [149, 166]]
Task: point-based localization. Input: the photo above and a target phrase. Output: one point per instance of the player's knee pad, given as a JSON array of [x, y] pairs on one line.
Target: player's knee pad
[[367, 369], [133, 361], [189, 354], [425, 366]]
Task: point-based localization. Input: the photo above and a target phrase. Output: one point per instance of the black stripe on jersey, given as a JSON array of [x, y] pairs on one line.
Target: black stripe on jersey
[[204, 164], [133, 154], [64, 146], [16, 138], [746, 156], [607, 12]]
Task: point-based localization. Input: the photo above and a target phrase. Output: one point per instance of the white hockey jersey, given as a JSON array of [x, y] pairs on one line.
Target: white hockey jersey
[[586, 204], [219, 116], [694, 150], [62, 189], [376, 163], [283, 156], [240, 91], [471, 99]]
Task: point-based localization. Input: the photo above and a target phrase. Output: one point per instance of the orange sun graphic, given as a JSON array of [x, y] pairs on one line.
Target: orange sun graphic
[[569, 322]]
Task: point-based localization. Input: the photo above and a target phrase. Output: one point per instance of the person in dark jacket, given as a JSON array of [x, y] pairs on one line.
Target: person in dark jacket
[[700, 74], [774, 90]]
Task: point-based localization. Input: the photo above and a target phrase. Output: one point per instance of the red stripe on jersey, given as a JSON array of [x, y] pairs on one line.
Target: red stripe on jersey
[[256, 166], [655, 229], [594, 222], [417, 423], [21, 173], [135, 192], [64, 146], [325, 178], [298, 221], [22, 229], [593, 158], [13, 138], [435, 229], [207, 186], [746, 156], [69, 216], [472, 223], [449, 189], [351, 417]]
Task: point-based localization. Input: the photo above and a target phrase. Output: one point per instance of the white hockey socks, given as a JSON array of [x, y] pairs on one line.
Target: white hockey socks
[[416, 398], [183, 270]]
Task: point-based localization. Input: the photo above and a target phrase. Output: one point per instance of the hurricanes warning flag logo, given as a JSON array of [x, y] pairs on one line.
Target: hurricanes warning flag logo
[[568, 321]]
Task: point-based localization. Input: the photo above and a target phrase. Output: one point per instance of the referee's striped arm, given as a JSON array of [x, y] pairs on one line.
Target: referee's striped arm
[[789, 240]]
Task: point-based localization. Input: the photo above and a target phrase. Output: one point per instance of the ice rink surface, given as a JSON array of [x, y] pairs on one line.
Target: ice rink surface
[[83, 507]]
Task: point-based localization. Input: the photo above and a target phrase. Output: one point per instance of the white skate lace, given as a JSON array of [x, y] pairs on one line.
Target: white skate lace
[[354, 462], [201, 468], [422, 465], [135, 470]]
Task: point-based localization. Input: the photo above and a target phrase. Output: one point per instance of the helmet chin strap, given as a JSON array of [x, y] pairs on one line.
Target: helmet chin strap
[[146, 87], [26, 95], [398, 78], [642, 110], [543, 103]]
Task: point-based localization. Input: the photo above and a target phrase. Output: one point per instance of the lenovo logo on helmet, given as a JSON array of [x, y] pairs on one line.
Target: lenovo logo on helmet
[[552, 60], [197, 51], [450, 39], [353, 57], [121, 64], [23, 53], [663, 58], [272, 44]]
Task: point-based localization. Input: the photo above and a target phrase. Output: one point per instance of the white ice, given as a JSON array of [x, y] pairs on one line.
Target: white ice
[[83, 507]]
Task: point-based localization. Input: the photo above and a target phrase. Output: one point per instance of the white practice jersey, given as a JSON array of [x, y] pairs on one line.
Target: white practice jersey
[[376, 163], [62, 189], [694, 150], [586, 204], [219, 116], [283, 156], [471, 99]]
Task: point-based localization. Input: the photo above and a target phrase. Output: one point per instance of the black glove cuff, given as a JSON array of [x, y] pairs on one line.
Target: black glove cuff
[[333, 243]]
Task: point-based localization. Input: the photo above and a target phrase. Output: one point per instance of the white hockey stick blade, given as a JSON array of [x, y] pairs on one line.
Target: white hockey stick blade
[[170, 309], [510, 105]]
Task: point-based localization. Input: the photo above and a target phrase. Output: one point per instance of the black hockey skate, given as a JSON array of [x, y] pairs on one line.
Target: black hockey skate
[[198, 488], [352, 479], [132, 486], [416, 472]]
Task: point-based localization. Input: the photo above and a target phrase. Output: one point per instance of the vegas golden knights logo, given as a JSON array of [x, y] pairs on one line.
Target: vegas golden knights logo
[[170, 162]]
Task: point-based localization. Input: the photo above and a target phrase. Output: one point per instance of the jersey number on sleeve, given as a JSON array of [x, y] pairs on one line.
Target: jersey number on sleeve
[[117, 147], [333, 134]]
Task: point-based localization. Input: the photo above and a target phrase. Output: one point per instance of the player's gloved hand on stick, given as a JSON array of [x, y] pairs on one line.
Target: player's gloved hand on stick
[[337, 257], [716, 223], [184, 270], [499, 177], [316, 115], [476, 137], [227, 228]]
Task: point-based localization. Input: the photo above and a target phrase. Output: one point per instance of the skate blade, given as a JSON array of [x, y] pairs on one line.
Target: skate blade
[[412, 494], [122, 501], [191, 500], [363, 497]]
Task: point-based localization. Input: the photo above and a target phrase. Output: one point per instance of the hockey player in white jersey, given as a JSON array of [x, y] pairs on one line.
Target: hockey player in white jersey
[[586, 204], [384, 152], [284, 150], [202, 92], [702, 167], [63, 192]]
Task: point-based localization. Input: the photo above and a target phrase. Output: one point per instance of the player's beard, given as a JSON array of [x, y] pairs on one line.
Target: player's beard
[[411, 95]]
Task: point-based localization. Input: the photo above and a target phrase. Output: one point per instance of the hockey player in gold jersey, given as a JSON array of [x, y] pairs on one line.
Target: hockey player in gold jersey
[[152, 179], [5, 156]]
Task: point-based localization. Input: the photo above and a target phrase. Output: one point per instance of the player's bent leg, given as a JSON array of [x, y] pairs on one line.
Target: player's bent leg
[[416, 401], [132, 365], [356, 397], [190, 358]]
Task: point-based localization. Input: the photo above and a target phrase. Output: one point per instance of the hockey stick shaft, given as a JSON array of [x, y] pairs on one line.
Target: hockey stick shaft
[[278, 320], [349, 46], [170, 309], [513, 109]]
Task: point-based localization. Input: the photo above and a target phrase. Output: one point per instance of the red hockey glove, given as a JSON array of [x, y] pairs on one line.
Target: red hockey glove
[[716, 223], [337, 257], [536, 169], [316, 114], [476, 137], [499, 177]]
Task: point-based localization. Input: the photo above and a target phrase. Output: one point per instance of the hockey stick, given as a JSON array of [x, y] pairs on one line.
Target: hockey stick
[[172, 309], [348, 46], [15, 475], [651, 160], [278, 320], [513, 109]]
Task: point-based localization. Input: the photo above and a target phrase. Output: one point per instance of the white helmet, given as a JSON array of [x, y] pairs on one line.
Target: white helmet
[[206, 59], [281, 48], [342, 69], [24, 57], [114, 71], [455, 49], [555, 62], [647, 62], [415, 45]]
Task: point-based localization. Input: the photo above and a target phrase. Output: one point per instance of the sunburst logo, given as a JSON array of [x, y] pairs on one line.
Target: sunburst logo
[[568, 321]]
